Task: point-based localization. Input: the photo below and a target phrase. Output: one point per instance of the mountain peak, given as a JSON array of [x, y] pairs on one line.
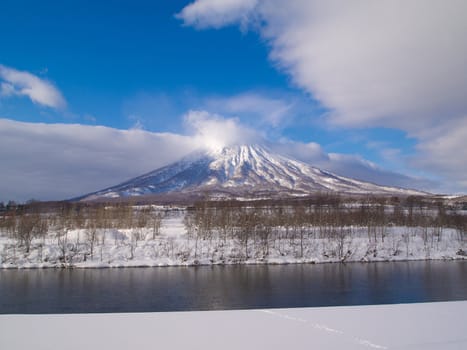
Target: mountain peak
[[243, 170], [235, 148]]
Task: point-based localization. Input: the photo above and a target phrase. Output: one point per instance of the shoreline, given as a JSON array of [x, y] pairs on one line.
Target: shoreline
[[246, 263]]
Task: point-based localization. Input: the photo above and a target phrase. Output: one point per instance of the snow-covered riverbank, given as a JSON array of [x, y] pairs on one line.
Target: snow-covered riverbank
[[173, 246], [403, 326]]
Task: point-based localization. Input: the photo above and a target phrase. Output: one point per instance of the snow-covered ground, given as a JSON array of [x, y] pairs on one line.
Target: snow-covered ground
[[173, 246], [403, 326]]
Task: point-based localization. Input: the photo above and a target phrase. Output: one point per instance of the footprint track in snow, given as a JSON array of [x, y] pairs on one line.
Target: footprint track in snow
[[325, 328]]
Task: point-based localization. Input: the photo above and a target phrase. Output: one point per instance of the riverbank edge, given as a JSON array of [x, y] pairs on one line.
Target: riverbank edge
[[148, 264]]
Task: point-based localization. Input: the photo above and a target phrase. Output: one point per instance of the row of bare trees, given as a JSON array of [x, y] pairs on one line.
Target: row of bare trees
[[264, 224], [256, 225], [26, 222]]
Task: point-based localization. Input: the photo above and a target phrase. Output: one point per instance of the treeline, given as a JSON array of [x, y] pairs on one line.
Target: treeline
[[322, 212], [36, 220], [329, 217], [330, 210], [232, 229]]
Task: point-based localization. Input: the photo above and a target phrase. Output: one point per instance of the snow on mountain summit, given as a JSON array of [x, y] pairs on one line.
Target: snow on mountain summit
[[242, 170]]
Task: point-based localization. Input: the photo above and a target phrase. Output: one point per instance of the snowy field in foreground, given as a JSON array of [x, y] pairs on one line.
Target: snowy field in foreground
[[401, 326]]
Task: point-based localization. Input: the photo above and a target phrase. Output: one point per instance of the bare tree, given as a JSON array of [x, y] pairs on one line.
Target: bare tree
[[28, 227], [156, 221], [91, 238]]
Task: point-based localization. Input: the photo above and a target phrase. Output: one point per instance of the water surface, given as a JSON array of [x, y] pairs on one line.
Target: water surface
[[229, 287]]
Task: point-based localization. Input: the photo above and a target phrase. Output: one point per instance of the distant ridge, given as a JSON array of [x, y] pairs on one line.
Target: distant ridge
[[242, 171]]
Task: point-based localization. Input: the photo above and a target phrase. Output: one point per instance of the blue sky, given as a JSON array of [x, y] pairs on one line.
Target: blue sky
[[270, 68]]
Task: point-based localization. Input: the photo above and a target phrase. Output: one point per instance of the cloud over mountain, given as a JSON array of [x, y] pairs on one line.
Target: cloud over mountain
[[213, 131]]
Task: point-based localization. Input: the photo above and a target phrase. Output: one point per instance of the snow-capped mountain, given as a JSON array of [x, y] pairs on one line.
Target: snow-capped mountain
[[246, 170]]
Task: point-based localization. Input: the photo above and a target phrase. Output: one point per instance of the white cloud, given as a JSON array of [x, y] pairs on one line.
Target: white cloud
[[387, 63], [373, 63], [213, 131], [215, 13], [445, 151], [59, 161], [20, 83]]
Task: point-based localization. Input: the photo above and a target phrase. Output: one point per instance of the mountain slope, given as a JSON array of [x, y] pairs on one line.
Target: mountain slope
[[247, 170]]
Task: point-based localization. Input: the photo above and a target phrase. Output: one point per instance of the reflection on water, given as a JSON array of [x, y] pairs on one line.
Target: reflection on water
[[229, 287]]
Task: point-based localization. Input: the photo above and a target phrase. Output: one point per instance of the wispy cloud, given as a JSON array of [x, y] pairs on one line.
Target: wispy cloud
[[20, 83], [351, 165], [260, 108]]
